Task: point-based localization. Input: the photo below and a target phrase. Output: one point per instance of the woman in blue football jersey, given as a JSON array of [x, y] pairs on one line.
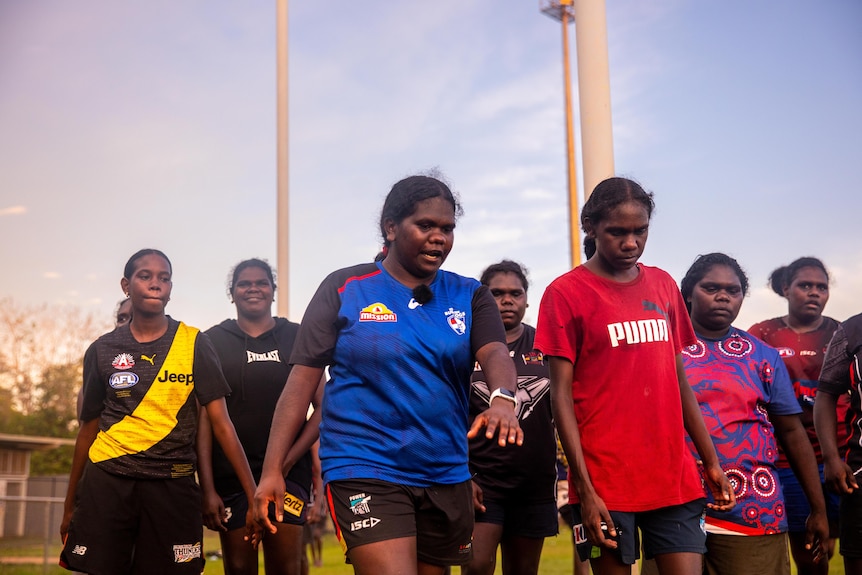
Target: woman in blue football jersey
[[400, 337]]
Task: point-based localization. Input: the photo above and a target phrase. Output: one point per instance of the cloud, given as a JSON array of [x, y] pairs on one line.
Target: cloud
[[13, 211], [51, 275]]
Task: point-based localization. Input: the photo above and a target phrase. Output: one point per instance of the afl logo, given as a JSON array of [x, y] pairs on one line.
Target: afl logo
[[786, 351], [123, 380]]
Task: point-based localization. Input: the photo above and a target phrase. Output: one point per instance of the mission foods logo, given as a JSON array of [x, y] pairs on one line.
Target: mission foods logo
[[377, 312]]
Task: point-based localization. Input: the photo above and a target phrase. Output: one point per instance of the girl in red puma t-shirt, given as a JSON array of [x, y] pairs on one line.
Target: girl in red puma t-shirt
[[614, 330]]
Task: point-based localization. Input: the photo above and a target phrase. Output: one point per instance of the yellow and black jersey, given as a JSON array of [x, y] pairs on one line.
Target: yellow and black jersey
[[144, 396]]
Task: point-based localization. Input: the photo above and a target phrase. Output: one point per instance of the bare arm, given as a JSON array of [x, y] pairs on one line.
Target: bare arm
[[86, 435], [692, 418], [310, 432], [500, 417], [318, 508], [593, 509], [213, 506], [800, 454], [290, 412], [838, 475], [225, 434]]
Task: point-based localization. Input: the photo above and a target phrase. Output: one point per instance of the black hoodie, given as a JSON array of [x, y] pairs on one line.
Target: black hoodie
[[256, 368]]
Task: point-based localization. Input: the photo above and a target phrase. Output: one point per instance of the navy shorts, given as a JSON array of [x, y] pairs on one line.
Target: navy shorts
[[440, 517], [675, 529], [137, 526], [520, 519], [296, 500], [796, 504]]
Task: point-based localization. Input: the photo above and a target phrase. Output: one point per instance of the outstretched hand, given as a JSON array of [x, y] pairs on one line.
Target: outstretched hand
[[499, 419], [269, 490]]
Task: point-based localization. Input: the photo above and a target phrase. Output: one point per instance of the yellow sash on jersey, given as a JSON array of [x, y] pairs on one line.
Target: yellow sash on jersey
[[156, 416]]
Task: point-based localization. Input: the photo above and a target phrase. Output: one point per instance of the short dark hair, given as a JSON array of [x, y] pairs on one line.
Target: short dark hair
[[701, 266], [505, 267], [782, 277], [249, 263], [131, 265], [402, 199]]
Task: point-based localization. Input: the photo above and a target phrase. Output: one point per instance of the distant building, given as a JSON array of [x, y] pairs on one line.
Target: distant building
[[20, 518]]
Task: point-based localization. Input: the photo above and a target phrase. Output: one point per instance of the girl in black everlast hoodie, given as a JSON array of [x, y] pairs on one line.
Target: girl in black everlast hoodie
[[254, 351]]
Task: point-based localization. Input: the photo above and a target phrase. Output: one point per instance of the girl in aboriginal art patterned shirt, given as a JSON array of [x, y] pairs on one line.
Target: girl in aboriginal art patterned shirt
[[747, 400]]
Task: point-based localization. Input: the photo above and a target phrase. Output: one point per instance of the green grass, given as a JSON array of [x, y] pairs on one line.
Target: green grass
[[556, 557]]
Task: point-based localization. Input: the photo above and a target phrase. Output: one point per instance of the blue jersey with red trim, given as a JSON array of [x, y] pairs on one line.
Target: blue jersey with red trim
[[396, 406], [739, 382]]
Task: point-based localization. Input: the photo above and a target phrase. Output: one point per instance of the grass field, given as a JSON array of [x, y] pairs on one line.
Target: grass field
[[556, 558]]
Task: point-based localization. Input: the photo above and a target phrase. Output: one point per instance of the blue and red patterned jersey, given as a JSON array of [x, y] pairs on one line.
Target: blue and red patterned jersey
[[739, 382]]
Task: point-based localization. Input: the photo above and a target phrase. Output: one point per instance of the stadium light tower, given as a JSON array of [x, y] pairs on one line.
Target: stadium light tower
[[594, 96], [282, 258], [564, 11]]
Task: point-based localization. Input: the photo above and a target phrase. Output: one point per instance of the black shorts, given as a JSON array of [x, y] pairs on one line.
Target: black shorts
[[674, 529], [440, 517], [296, 500], [519, 519], [139, 526], [850, 524]]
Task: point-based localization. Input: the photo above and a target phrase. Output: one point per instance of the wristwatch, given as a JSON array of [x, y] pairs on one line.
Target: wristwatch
[[505, 394]]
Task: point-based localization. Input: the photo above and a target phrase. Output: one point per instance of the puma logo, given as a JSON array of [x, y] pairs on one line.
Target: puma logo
[[150, 359]]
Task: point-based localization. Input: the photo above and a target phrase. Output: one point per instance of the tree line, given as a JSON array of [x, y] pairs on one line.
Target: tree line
[[41, 353]]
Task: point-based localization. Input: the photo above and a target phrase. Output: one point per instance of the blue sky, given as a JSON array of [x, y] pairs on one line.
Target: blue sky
[[152, 124]]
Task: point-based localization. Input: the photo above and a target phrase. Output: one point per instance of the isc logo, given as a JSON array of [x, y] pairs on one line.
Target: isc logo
[[123, 380], [363, 523]]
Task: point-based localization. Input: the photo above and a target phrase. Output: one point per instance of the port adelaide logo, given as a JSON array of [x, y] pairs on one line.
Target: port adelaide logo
[[123, 380]]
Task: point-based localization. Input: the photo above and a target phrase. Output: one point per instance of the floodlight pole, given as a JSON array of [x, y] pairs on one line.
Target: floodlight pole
[[563, 10], [282, 205], [594, 96], [594, 92]]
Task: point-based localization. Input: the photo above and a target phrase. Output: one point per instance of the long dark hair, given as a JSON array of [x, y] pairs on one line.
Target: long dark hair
[[606, 196]]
